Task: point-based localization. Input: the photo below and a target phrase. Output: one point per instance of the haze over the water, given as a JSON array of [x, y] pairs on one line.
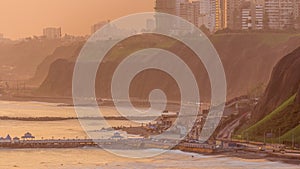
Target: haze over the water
[[19, 19]]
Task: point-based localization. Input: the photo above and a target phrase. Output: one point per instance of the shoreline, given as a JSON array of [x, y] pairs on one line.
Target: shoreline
[[240, 154], [68, 101], [259, 155], [44, 99], [243, 155], [47, 118], [249, 155]]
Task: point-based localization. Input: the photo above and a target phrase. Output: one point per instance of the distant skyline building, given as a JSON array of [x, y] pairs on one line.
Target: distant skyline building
[[204, 6], [168, 7], [109, 31], [246, 16], [224, 13], [190, 11], [196, 16], [218, 15], [297, 14], [259, 16], [98, 26], [252, 15], [178, 6], [234, 14], [211, 13], [204, 17], [185, 9], [1, 36], [282, 14], [52, 33]]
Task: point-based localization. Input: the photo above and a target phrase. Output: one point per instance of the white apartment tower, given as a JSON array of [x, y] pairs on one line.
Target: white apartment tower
[[281, 14], [259, 17], [204, 10], [252, 15], [246, 19]]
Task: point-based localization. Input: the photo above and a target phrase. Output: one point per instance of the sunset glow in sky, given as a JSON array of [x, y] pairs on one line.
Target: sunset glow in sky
[[23, 18]]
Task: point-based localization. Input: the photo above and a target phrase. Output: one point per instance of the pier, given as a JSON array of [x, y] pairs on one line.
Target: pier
[[128, 144], [143, 143], [48, 143]]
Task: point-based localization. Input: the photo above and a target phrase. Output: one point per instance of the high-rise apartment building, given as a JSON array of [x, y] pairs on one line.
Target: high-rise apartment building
[[224, 13], [196, 15], [252, 15], [259, 17], [246, 16], [190, 11], [204, 13], [218, 15], [177, 5], [234, 14], [204, 6], [168, 7], [281, 14], [297, 14], [246, 19], [185, 9]]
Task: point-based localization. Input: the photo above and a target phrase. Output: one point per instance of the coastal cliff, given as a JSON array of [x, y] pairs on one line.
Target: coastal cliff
[[278, 111], [244, 57]]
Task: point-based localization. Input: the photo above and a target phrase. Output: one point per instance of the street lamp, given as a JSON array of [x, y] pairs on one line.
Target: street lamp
[[247, 137], [293, 140], [279, 135], [272, 136], [265, 137]]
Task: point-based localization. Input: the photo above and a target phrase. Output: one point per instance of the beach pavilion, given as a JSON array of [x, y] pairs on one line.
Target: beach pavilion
[[27, 136]]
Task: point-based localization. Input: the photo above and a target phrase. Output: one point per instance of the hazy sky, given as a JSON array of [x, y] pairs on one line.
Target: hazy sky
[[23, 18]]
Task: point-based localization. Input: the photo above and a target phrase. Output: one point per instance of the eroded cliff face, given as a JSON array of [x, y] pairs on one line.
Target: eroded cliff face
[[19, 60], [284, 83], [66, 51], [248, 62], [59, 79]]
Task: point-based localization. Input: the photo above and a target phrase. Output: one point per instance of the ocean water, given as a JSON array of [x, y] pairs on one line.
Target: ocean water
[[95, 158]]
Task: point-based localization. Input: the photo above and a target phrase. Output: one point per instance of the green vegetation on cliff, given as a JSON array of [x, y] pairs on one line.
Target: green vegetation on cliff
[[294, 133], [272, 115], [278, 122], [278, 110]]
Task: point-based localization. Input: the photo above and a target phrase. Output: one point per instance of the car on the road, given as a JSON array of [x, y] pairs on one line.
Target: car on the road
[[261, 148], [279, 148]]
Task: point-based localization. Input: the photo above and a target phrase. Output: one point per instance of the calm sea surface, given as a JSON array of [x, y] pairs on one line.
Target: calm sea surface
[[93, 158]]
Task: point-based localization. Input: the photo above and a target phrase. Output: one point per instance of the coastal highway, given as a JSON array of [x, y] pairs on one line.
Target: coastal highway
[[227, 131]]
